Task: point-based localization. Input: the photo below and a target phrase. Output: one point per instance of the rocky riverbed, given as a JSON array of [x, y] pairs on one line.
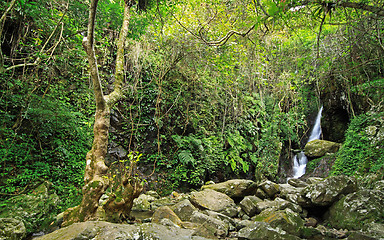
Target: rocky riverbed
[[331, 208]]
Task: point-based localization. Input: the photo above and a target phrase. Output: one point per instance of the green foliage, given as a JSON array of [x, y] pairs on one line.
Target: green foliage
[[363, 152]]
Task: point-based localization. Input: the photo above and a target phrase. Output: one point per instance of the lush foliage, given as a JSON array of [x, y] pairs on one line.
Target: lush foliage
[[198, 105], [363, 152]]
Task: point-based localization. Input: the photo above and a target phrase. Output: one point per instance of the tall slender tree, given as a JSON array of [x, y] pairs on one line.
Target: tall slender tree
[[119, 203]]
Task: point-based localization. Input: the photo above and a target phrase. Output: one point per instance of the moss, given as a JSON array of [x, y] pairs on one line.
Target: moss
[[94, 184]]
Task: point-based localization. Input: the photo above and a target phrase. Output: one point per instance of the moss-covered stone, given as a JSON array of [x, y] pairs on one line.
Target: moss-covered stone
[[36, 210], [356, 210], [318, 148]]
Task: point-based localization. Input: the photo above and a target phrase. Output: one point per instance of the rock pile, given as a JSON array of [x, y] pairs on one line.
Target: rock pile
[[242, 209]]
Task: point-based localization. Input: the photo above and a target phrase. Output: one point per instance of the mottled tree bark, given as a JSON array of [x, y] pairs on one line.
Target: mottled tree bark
[[96, 182]]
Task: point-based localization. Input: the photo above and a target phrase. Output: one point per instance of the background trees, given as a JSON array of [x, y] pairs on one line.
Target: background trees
[[213, 90]]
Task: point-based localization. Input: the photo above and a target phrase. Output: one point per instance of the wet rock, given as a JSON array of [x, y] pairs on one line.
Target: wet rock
[[212, 200], [164, 201], [297, 182], [270, 188], [310, 222], [209, 226], [222, 217], [261, 194], [326, 192], [118, 151], [143, 203], [313, 180], [264, 231], [248, 205], [356, 210], [165, 212], [277, 204], [112, 231], [184, 209], [36, 210], [286, 219], [234, 187], [318, 148], [12, 229], [291, 193]]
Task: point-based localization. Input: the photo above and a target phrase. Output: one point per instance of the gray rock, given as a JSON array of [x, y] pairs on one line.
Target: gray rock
[[290, 193], [33, 209], [184, 209], [264, 231], [143, 203], [248, 205], [326, 192], [12, 229], [318, 148], [222, 217], [277, 204], [356, 210], [165, 212], [234, 187], [164, 201], [313, 180], [98, 230], [261, 194], [270, 188], [286, 219], [297, 182], [209, 226], [212, 200]]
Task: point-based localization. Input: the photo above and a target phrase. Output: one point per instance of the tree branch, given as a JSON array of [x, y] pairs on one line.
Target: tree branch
[[88, 43], [117, 94]]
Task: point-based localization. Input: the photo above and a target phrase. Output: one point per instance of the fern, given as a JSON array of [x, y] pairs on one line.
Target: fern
[[185, 157]]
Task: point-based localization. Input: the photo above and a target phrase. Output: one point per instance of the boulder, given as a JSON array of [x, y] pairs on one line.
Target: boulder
[[297, 182], [165, 212], [248, 205], [234, 188], [313, 180], [111, 231], [184, 209], [326, 192], [164, 201], [291, 193], [222, 217], [212, 200], [261, 194], [270, 188], [209, 226], [277, 204], [264, 231], [12, 229], [143, 203], [286, 219], [357, 209], [318, 148], [36, 209]]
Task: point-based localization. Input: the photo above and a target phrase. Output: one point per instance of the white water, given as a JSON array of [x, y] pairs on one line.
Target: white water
[[300, 160], [316, 131], [299, 164]]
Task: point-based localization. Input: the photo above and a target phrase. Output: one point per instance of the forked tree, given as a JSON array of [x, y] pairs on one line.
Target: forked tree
[[119, 202]]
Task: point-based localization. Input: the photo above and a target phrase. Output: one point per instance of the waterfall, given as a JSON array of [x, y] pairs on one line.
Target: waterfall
[[300, 160], [316, 131]]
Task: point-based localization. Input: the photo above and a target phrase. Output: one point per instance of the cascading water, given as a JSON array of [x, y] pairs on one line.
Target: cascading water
[[300, 160]]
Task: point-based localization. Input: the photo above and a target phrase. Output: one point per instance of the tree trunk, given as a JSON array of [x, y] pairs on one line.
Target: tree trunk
[[119, 203]]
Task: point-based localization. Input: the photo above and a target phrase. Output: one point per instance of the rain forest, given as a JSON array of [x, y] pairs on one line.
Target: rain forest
[[191, 119]]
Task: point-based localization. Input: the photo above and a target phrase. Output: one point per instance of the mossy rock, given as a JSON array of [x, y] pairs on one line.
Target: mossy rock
[[356, 210], [318, 148]]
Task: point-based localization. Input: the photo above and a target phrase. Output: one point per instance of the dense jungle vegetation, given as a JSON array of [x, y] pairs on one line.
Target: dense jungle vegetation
[[212, 89]]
